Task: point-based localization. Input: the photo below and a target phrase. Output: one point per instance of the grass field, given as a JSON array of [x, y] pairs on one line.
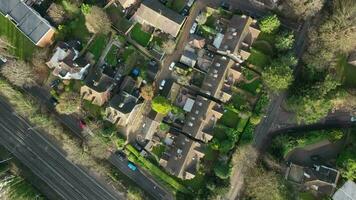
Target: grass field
[[23, 46], [97, 46], [141, 37]]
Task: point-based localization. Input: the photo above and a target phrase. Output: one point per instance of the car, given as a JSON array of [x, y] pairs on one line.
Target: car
[[171, 66], [190, 3], [163, 82], [53, 100], [121, 155], [185, 11], [353, 119], [82, 124], [194, 28], [132, 166], [55, 83], [137, 146]]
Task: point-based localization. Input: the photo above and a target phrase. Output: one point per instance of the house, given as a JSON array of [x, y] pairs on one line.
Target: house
[[189, 58], [66, 62], [346, 192], [182, 155], [319, 179], [124, 105], [28, 21], [238, 38], [155, 14], [127, 3], [98, 85]]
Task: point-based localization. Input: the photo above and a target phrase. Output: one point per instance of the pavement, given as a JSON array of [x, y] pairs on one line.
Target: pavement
[[141, 179], [48, 162]]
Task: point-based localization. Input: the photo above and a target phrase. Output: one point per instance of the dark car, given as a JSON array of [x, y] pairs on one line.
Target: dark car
[[185, 11], [121, 155], [138, 146], [55, 83], [53, 100]]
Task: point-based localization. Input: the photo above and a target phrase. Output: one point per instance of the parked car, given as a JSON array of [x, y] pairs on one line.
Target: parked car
[[185, 11], [171, 66], [132, 166], [55, 83], [194, 28], [121, 155], [163, 82], [137, 146], [353, 119], [190, 3], [53, 100]]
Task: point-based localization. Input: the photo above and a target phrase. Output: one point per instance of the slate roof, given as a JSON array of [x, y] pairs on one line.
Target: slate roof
[[159, 16], [26, 19]]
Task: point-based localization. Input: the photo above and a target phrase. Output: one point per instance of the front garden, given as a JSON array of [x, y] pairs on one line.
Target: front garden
[[140, 36]]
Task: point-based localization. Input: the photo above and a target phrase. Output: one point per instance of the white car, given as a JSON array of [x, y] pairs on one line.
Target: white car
[[194, 28], [171, 66], [163, 82]]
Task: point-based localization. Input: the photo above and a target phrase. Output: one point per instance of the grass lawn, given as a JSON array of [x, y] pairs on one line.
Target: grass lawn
[[241, 125], [158, 150], [141, 37], [264, 47], [230, 119], [238, 100], [258, 59], [97, 46], [23, 46], [118, 19], [112, 56], [251, 87], [347, 72], [94, 110], [268, 37]]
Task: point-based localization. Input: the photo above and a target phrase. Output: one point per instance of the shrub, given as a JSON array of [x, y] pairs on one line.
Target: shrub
[[270, 24], [161, 105]]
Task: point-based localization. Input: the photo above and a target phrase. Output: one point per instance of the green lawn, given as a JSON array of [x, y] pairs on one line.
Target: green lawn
[[75, 29], [258, 59], [23, 46], [158, 150], [230, 119], [97, 46], [264, 47], [141, 37], [251, 87], [94, 110], [112, 56]]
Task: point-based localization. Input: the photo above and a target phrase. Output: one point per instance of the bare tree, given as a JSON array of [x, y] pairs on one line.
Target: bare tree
[[69, 102], [97, 21], [302, 9], [169, 46], [19, 73], [56, 12], [147, 92], [39, 62]]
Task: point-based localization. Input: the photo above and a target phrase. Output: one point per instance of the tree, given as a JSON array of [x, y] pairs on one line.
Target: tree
[[134, 193], [69, 102], [284, 41], [222, 171], [161, 105], [277, 78], [57, 13], [302, 9], [168, 46], [255, 119], [201, 18], [264, 185], [347, 159], [97, 21], [147, 92], [270, 24], [19, 73]]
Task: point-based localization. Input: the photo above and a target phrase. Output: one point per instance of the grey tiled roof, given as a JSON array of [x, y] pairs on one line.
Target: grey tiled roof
[[27, 19]]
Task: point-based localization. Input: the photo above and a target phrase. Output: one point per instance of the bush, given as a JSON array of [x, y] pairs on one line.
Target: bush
[[270, 24], [161, 105], [284, 41], [223, 171]]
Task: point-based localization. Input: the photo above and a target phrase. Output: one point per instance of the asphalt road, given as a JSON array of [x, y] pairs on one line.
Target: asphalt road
[[47, 162], [141, 179]]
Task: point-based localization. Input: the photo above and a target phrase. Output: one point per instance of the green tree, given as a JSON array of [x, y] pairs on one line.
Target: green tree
[[277, 78], [284, 41], [270, 24], [255, 119], [161, 105], [347, 160], [222, 170]]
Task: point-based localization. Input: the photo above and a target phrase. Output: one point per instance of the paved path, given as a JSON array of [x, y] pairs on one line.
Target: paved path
[[47, 162]]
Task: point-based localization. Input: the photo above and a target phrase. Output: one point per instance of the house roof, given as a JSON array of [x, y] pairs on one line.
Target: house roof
[[27, 20], [101, 79], [154, 13], [346, 192], [127, 3], [123, 102], [189, 58]]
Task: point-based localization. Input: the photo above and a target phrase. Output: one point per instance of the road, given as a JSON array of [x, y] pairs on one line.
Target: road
[[141, 179], [47, 162]]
